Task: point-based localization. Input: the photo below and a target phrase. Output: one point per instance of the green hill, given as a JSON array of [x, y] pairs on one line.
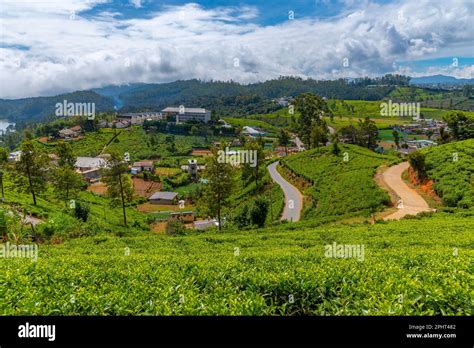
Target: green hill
[[338, 186], [451, 166]]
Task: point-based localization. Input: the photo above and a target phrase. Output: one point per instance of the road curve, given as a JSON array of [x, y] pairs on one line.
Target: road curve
[[293, 197], [410, 202]]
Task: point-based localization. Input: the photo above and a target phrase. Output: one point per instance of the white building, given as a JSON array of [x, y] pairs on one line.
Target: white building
[[14, 156], [137, 118], [184, 114]]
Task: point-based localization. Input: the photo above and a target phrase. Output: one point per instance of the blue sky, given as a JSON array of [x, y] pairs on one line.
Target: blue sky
[[270, 12], [58, 46]]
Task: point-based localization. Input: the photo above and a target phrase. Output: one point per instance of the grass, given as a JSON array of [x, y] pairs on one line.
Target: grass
[[241, 122], [339, 187], [165, 171], [409, 268]]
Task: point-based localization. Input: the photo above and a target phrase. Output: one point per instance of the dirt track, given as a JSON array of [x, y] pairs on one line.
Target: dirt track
[[410, 202]]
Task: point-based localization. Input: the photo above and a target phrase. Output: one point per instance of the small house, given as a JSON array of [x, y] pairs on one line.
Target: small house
[[184, 216], [142, 166], [90, 167], [70, 133], [165, 198], [14, 156]]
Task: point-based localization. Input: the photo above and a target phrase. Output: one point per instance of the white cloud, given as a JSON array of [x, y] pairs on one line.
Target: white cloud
[[189, 41]]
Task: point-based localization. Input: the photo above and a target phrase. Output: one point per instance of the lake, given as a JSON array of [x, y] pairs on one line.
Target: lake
[[3, 125]]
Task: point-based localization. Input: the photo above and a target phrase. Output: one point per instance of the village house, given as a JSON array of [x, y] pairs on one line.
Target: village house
[[142, 166], [14, 156], [90, 167], [70, 133], [164, 198], [184, 216]]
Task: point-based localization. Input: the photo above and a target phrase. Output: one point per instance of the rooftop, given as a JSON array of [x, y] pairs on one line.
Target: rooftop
[[143, 164], [186, 110], [90, 162], [164, 195]]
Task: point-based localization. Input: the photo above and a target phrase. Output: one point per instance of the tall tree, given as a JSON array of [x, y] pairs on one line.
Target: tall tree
[[119, 183], [311, 108], [3, 161], [31, 169], [218, 188], [284, 139], [396, 138], [319, 134], [251, 169], [368, 133], [67, 182]]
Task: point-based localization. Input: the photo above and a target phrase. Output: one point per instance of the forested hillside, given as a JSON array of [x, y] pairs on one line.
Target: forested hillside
[[35, 109], [225, 98]]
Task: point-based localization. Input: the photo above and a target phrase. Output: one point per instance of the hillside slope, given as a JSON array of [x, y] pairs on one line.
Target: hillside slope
[[451, 166], [340, 184], [409, 267]]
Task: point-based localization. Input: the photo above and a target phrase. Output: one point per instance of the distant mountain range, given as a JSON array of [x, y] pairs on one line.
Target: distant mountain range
[[440, 79]]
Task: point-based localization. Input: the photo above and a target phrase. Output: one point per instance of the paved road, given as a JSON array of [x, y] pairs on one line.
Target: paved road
[[293, 197], [410, 202]]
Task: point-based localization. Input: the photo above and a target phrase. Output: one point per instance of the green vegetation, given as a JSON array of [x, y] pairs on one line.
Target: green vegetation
[[409, 268], [135, 141], [451, 166], [340, 184]]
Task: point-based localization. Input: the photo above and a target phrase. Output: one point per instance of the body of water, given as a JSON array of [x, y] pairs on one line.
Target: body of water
[[3, 125]]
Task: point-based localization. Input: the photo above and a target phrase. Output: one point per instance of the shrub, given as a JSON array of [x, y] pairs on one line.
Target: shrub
[[81, 211], [259, 211], [175, 228]]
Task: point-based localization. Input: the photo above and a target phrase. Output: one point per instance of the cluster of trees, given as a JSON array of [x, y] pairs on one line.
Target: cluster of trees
[[461, 126], [188, 128], [311, 125], [389, 79], [220, 183], [364, 134]]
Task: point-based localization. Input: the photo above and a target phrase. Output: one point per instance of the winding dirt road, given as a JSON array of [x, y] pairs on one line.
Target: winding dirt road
[[293, 197], [409, 201]]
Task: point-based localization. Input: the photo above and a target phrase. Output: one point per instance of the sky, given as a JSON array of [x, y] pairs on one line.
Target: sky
[[48, 47]]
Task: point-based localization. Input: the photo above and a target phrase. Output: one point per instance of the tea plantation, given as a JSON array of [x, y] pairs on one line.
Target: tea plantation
[[451, 166], [410, 267], [340, 184]]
